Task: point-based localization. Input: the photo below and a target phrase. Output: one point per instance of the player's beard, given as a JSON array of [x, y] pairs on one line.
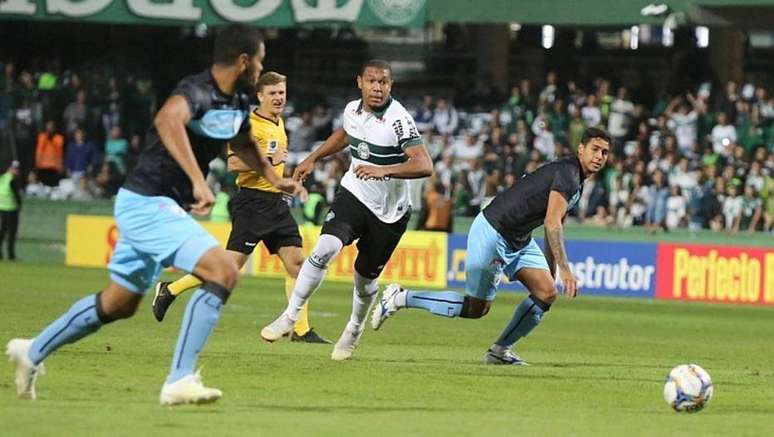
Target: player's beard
[[247, 81]]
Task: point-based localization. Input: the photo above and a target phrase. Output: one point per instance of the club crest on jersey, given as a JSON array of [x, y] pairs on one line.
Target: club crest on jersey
[[331, 215], [362, 151], [273, 144]]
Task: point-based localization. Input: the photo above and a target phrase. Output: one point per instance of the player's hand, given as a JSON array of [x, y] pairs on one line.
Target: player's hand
[[279, 157], [370, 172], [204, 199], [303, 170], [293, 187], [569, 282]]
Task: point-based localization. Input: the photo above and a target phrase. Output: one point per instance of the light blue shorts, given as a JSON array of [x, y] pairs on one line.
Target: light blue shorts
[[490, 256], [154, 233]]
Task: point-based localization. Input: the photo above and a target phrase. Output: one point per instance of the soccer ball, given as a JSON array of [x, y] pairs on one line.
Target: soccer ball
[[688, 388]]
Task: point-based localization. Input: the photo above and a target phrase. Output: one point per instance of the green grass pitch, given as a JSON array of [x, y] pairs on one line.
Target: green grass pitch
[[598, 366]]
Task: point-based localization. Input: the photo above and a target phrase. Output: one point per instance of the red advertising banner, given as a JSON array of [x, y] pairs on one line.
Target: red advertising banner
[[721, 274]]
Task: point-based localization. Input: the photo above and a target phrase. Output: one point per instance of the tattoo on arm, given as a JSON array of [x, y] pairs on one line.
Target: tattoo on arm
[[555, 240]]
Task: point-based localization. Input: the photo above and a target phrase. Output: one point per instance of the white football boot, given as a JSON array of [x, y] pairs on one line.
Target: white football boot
[[346, 345], [503, 357], [188, 390], [385, 307], [26, 372], [278, 328]]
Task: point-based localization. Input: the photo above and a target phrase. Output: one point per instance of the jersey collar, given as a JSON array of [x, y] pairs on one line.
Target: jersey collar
[[379, 113]]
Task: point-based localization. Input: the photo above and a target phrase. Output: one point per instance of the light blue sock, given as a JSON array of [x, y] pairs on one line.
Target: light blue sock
[[526, 317], [201, 316], [79, 321], [444, 303]]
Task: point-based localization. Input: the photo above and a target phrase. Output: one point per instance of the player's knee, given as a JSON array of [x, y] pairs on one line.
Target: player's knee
[[475, 308], [229, 273], [545, 294], [294, 267], [325, 250]]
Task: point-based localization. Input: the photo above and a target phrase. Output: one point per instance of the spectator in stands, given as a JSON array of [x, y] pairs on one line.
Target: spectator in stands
[[322, 121], [732, 208], [75, 114], [49, 155], [302, 138], [27, 120], [591, 113], [80, 156], [424, 115], [683, 116], [656, 213], [619, 118], [675, 208], [436, 212], [751, 211], [445, 117], [107, 181], [115, 149], [723, 136]]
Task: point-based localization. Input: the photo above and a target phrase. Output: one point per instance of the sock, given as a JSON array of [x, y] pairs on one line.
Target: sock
[[302, 324], [79, 321], [312, 273], [444, 303], [363, 296], [525, 318], [183, 284], [201, 316]]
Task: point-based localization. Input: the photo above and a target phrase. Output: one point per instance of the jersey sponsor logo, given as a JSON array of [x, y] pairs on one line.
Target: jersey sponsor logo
[[220, 124], [250, 244], [362, 151], [331, 215]]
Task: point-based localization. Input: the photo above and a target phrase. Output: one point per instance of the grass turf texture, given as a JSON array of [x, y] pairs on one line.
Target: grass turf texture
[[598, 366]]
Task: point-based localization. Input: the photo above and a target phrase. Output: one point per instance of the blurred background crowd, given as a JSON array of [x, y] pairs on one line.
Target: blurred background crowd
[[698, 158]]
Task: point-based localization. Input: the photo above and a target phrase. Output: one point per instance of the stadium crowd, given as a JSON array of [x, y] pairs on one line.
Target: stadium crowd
[[697, 159]]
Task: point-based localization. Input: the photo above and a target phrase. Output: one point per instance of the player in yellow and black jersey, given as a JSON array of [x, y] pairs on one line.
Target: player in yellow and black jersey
[[259, 211]]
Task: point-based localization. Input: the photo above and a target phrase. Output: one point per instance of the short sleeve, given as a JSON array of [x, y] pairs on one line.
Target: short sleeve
[[193, 94], [565, 182], [406, 132]]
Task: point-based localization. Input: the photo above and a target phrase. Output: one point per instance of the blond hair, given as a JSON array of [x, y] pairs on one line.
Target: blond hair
[[270, 78]]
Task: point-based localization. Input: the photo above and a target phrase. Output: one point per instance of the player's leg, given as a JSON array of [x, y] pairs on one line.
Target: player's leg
[[13, 228], [293, 258], [310, 276], [165, 293], [345, 224], [483, 267], [532, 270], [119, 300], [375, 248], [3, 231]]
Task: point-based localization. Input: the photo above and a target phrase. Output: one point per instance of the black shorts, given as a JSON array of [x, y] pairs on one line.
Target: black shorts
[[350, 220], [261, 216]]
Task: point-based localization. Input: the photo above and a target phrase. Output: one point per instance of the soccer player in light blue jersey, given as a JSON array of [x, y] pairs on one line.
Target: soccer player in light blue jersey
[[204, 112]]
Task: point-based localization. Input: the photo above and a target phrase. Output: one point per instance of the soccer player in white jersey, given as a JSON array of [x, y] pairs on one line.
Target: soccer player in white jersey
[[372, 204]]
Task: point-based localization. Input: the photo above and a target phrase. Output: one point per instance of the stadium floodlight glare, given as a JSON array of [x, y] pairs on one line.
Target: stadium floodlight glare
[[702, 37], [634, 37], [548, 36]]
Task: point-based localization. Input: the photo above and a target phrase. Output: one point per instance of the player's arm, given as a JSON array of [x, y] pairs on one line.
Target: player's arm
[[335, 143], [554, 235], [248, 152], [418, 165], [170, 123]]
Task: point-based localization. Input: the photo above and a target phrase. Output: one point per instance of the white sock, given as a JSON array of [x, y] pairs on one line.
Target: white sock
[[312, 273], [363, 297], [400, 299]]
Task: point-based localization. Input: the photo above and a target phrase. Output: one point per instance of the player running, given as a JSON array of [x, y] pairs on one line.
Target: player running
[[372, 204], [204, 112], [259, 211], [500, 241]]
